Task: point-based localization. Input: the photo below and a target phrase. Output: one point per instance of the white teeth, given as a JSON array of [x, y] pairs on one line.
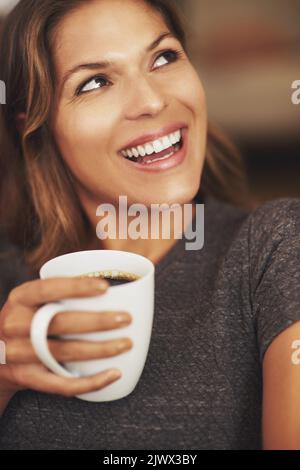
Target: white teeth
[[135, 152], [166, 142], [149, 149], [157, 146], [173, 139], [141, 150]]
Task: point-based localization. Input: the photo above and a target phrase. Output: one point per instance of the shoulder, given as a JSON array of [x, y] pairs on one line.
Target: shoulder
[[278, 217], [274, 267], [267, 231], [273, 232]]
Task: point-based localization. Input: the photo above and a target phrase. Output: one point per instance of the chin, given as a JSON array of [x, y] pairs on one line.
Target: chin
[[178, 197]]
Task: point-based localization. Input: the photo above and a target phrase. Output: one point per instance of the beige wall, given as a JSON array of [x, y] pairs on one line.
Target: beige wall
[[248, 54]]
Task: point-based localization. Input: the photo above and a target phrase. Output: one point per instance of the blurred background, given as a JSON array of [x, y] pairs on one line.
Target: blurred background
[[247, 54]]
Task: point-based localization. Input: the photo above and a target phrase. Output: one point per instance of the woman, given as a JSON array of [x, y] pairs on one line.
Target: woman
[[90, 82]]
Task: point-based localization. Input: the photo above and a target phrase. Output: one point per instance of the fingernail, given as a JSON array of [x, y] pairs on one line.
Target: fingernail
[[124, 344], [122, 317], [114, 373]]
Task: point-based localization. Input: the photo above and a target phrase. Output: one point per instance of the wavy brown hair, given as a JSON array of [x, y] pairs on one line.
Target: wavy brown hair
[[39, 209]]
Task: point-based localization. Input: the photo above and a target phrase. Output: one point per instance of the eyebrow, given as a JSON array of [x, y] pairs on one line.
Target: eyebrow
[[107, 63]]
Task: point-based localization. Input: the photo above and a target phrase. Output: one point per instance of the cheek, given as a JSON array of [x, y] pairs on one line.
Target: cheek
[[85, 129], [192, 95]]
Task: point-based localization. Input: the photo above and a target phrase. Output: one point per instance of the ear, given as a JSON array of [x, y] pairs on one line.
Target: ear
[[20, 122]]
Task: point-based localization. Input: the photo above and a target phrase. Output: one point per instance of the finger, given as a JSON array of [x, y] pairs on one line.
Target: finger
[[20, 351], [37, 377], [87, 322], [18, 323], [41, 291], [72, 350]]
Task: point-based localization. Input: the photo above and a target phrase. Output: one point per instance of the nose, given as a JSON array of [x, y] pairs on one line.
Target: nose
[[144, 99]]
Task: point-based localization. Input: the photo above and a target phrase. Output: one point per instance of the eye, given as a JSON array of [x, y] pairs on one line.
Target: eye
[[93, 84], [172, 56], [97, 81]]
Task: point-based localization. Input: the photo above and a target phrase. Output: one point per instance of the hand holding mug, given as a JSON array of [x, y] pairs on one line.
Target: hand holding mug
[[24, 370]]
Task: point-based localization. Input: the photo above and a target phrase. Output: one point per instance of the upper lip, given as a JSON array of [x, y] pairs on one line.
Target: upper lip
[[151, 136]]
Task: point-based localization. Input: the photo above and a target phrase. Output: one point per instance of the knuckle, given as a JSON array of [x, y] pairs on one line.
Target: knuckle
[[9, 325], [6, 327], [107, 349], [43, 289], [14, 296]]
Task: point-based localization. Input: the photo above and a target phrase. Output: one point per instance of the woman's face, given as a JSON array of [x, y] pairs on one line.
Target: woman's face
[[100, 111]]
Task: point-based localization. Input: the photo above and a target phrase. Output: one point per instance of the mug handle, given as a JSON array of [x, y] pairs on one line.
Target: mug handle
[[38, 335]]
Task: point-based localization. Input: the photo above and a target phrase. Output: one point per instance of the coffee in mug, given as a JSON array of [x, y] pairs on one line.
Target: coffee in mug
[[115, 277]]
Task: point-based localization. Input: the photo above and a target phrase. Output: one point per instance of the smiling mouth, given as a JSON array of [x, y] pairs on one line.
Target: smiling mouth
[[155, 156]]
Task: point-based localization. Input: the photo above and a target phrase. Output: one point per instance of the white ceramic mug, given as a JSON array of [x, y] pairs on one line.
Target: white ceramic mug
[[135, 297]]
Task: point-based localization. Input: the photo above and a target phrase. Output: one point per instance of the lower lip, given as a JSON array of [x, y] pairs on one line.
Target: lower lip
[[162, 165]]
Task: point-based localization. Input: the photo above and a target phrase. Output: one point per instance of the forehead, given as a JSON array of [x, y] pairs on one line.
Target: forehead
[[107, 28]]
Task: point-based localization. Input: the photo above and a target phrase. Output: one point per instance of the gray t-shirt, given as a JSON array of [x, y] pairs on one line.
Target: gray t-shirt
[[217, 310]]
